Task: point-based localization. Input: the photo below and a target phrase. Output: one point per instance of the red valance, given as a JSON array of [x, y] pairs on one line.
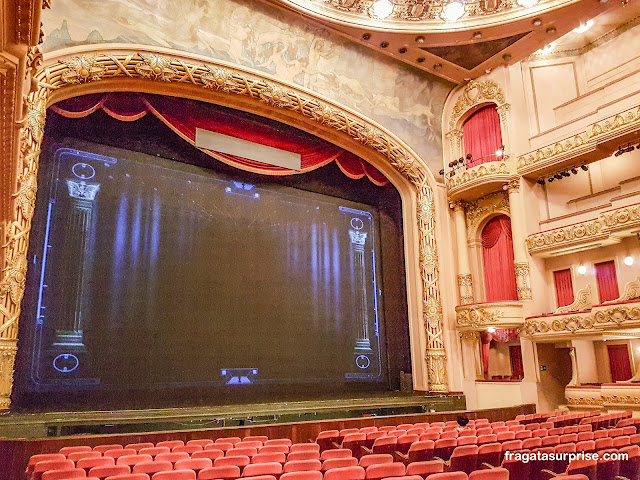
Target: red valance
[[185, 116]]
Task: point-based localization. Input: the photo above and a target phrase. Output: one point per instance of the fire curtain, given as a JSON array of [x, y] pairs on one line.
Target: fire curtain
[[497, 251], [564, 287], [482, 136], [185, 116]]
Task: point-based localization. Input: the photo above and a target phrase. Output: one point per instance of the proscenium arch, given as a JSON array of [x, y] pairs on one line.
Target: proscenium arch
[[80, 71]]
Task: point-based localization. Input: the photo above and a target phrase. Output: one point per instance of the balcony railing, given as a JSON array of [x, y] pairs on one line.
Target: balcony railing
[[479, 316]]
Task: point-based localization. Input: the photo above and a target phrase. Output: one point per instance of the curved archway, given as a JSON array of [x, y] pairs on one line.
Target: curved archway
[[119, 69]]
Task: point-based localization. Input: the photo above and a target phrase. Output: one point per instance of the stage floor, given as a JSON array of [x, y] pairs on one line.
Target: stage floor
[[52, 424]]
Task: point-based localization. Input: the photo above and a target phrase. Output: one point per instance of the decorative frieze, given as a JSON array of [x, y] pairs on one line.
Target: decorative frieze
[[476, 173], [483, 315]]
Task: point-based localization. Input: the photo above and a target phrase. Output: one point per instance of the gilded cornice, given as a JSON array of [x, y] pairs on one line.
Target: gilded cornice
[[585, 141], [482, 315], [589, 231], [468, 178]]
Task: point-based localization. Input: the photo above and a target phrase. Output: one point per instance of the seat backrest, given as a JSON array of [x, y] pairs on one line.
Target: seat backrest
[[195, 464], [336, 453], [608, 465], [551, 441], [256, 438], [119, 452], [108, 471], [239, 461], [59, 464], [273, 468], [133, 459], [504, 436], [330, 463], [210, 454], [604, 443], [249, 444], [269, 458], [302, 465], [88, 463], [425, 469], [153, 451], [175, 475], [532, 442], [375, 459], [203, 442], [190, 449], [231, 440], [490, 453], [584, 467], [278, 441], [379, 471], [225, 472], [492, 474], [64, 474], [154, 467], [345, 473], [421, 451], [304, 455], [464, 459], [444, 448], [274, 449], [248, 451], [104, 448], [138, 446], [451, 434], [304, 447], [448, 476], [301, 476], [170, 444]]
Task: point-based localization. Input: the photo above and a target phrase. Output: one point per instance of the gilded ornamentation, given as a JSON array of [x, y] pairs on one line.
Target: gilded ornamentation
[[235, 82], [563, 236], [476, 317], [621, 216], [465, 288], [475, 93], [156, 67], [522, 280], [480, 209], [627, 120], [490, 168], [631, 292], [512, 186], [621, 400], [581, 302], [618, 314], [82, 69], [275, 96], [572, 323], [469, 335], [585, 401]]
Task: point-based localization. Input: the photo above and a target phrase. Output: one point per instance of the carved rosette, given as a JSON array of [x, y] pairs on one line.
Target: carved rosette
[[82, 69], [523, 282], [465, 288], [235, 82]]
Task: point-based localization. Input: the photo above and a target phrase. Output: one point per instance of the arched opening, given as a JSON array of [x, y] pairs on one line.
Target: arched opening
[[497, 254], [482, 136]]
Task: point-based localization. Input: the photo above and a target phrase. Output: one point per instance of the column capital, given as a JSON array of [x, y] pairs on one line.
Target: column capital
[[512, 186], [469, 335], [458, 205]]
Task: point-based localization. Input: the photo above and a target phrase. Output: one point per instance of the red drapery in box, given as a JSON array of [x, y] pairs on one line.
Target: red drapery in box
[[503, 335], [607, 281], [497, 251], [517, 367], [619, 362], [482, 136], [184, 116], [564, 287]]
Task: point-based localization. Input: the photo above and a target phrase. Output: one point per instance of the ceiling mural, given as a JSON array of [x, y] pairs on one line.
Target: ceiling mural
[[403, 99]]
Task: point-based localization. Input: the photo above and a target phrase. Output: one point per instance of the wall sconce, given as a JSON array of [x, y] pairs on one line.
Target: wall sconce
[[491, 329], [582, 269], [628, 260]]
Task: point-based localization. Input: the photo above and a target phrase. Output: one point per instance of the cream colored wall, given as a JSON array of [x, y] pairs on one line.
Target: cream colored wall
[[602, 361], [498, 394], [586, 360], [499, 360]]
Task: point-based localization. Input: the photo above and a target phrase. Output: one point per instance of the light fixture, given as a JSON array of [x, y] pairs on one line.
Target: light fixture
[[491, 329], [500, 151], [382, 8], [582, 269], [548, 48], [452, 11], [527, 3], [628, 260], [584, 27]]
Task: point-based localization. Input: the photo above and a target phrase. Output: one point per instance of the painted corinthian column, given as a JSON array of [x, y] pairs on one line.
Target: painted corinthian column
[[520, 259], [465, 281]]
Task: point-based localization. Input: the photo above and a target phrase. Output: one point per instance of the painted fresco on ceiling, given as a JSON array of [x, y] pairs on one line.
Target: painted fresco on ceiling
[[404, 100]]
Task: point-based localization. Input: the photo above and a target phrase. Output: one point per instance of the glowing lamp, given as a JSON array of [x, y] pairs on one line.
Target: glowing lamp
[[584, 27], [628, 261], [452, 11], [382, 8], [582, 269], [491, 329]]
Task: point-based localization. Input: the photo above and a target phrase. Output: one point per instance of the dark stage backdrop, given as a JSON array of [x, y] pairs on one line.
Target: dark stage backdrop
[[148, 274]]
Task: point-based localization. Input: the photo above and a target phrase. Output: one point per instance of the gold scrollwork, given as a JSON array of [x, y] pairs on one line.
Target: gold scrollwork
[[476, 317], [475, 93], [82, 69]]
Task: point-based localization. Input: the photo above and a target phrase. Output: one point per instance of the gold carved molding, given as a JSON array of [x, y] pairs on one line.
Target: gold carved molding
[[479, 316], [465, 288], [582, 301], [145, 67], [599, 229], [587, 140], [476, 93], [522, 280], [477, 172], [480, 209]]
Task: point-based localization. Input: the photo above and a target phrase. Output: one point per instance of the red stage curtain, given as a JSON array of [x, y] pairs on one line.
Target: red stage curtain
[[497, 251], [482, 136], [619, 362], [515, 355], [564, 287], [185, 116], [607, 281]]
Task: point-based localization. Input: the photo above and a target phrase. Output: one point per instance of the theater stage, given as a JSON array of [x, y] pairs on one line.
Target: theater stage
[[54, 424]]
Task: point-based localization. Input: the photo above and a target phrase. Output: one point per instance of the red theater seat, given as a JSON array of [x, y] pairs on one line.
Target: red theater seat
[[448, 476], [256, 438], [88, 463], [225, 472], [354, 442], [276, 449], [203, 442], [130, 460], [337, 453], [189, 449], [152, 467], [269, 458], [345, 473], [75, 456], [424, 469], [529, 443], [303, 455], [326, 439], [46, 465], [302, 466], [240, 461], [370, 429], [490, 454], [175, 475], [464, 459], [210, 454], [493, 474], [67, 450], [231, 440], [249, 444], [248, 451], [385, 445], [64, 474], [129, 476], [330, 463], [104, 448], [380, 471], [304, 447], [375, 459], [153, 451], [170, 444], [172, 457], [195, 464], [109, 471], [117, 453], [43, 457], [138, 446], [278, 441], [301, 476], [444, 448], [259, 469]]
